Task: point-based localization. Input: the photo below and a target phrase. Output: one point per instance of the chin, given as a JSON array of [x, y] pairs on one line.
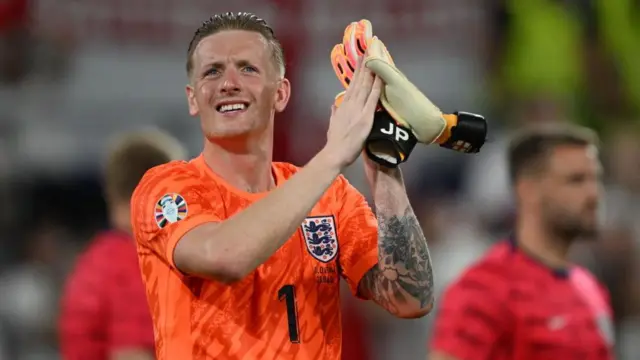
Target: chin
[[218, 135], [228, 128], [576, 231], [589, 232]]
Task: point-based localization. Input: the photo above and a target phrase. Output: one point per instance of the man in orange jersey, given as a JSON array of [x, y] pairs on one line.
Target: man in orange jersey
[[242, 256]]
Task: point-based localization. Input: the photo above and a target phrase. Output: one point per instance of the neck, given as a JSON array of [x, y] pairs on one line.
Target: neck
[[120, 216], [246, 164], [535, 238]]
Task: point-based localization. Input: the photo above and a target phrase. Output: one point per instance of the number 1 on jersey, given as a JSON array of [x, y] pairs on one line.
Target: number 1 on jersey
[[288, 293]]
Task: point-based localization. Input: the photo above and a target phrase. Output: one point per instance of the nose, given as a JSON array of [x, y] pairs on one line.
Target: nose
[[594, 189], [230, 82]]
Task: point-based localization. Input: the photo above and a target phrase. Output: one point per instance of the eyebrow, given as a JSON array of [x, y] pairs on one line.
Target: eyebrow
[[213, 65], [221, 65]]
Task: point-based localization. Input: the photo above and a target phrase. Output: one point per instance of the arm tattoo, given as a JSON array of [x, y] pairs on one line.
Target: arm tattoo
[[404, 272]]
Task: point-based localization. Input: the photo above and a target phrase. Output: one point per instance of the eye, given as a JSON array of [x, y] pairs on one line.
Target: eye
[[249, 69], [212, 71], [577, 178]]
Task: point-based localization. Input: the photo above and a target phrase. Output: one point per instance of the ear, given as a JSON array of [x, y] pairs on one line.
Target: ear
[[527, 190], [283, 92], [191, 100]]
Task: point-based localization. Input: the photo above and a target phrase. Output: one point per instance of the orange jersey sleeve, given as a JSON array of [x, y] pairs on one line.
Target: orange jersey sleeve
[[358, 234], [169, 201]]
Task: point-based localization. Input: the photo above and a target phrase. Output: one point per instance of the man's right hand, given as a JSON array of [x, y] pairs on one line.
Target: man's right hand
[[351, 123]]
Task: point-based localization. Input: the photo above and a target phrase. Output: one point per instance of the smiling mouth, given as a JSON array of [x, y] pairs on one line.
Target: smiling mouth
[[232, 108]]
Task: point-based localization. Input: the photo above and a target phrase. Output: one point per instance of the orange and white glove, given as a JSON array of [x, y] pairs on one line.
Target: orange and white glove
[[407, 116]]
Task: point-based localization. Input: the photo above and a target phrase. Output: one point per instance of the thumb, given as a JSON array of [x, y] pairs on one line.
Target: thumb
[[380, 63]]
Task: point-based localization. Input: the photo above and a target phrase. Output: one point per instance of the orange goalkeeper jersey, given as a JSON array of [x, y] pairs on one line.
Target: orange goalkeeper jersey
[[288, 308]]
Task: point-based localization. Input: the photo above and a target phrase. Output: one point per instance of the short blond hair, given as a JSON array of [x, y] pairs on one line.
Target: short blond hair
[[131, 155], [237, 21]]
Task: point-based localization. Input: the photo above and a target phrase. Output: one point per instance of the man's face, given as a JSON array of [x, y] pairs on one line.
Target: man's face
[[235, 85], [569, 191]]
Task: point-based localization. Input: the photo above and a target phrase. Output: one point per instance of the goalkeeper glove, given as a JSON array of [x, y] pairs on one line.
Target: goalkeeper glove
[[410, 116]]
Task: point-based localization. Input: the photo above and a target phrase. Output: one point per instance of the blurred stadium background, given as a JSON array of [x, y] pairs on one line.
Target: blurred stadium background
[[73, 73]]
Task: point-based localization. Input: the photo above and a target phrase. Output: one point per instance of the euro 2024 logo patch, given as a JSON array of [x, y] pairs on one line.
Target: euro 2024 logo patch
[[320, 236], [169, 209]]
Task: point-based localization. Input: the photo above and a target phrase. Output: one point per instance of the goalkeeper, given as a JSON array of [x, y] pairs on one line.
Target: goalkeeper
[[242, 256]]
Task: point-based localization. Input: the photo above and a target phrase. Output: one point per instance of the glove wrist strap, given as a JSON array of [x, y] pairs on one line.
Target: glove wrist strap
[[389, 144], [469, 133]]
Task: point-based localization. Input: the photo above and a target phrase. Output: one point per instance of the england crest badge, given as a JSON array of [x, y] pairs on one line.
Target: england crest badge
[[320, 237], [169, 209]]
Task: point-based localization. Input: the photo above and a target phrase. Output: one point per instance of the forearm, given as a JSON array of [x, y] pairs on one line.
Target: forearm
[[402, 282], [250, 237]]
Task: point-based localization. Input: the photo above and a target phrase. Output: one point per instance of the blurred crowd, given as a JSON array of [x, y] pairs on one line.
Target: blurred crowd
[[75, 73]]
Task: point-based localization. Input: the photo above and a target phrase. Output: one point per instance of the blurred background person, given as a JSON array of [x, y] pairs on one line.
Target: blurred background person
[[88, 68], [525, 299], [104, 311]]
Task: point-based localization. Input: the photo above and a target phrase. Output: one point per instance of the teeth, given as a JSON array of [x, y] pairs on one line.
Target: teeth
[[232, 107]]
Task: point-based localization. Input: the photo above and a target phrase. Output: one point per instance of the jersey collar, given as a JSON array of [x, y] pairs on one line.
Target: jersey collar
[[560, 272]]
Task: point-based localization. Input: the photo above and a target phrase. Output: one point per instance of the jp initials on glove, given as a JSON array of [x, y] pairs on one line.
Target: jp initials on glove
[[407, 116]]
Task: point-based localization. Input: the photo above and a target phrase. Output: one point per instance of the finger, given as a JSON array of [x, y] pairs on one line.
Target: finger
[[386, 53], [356, 38], [349, 46], [364, 32], [358, 72], [354, 87], [365, 81], [343, 70], [365, 85], [351, 61], [348, 40], [374, 96]]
